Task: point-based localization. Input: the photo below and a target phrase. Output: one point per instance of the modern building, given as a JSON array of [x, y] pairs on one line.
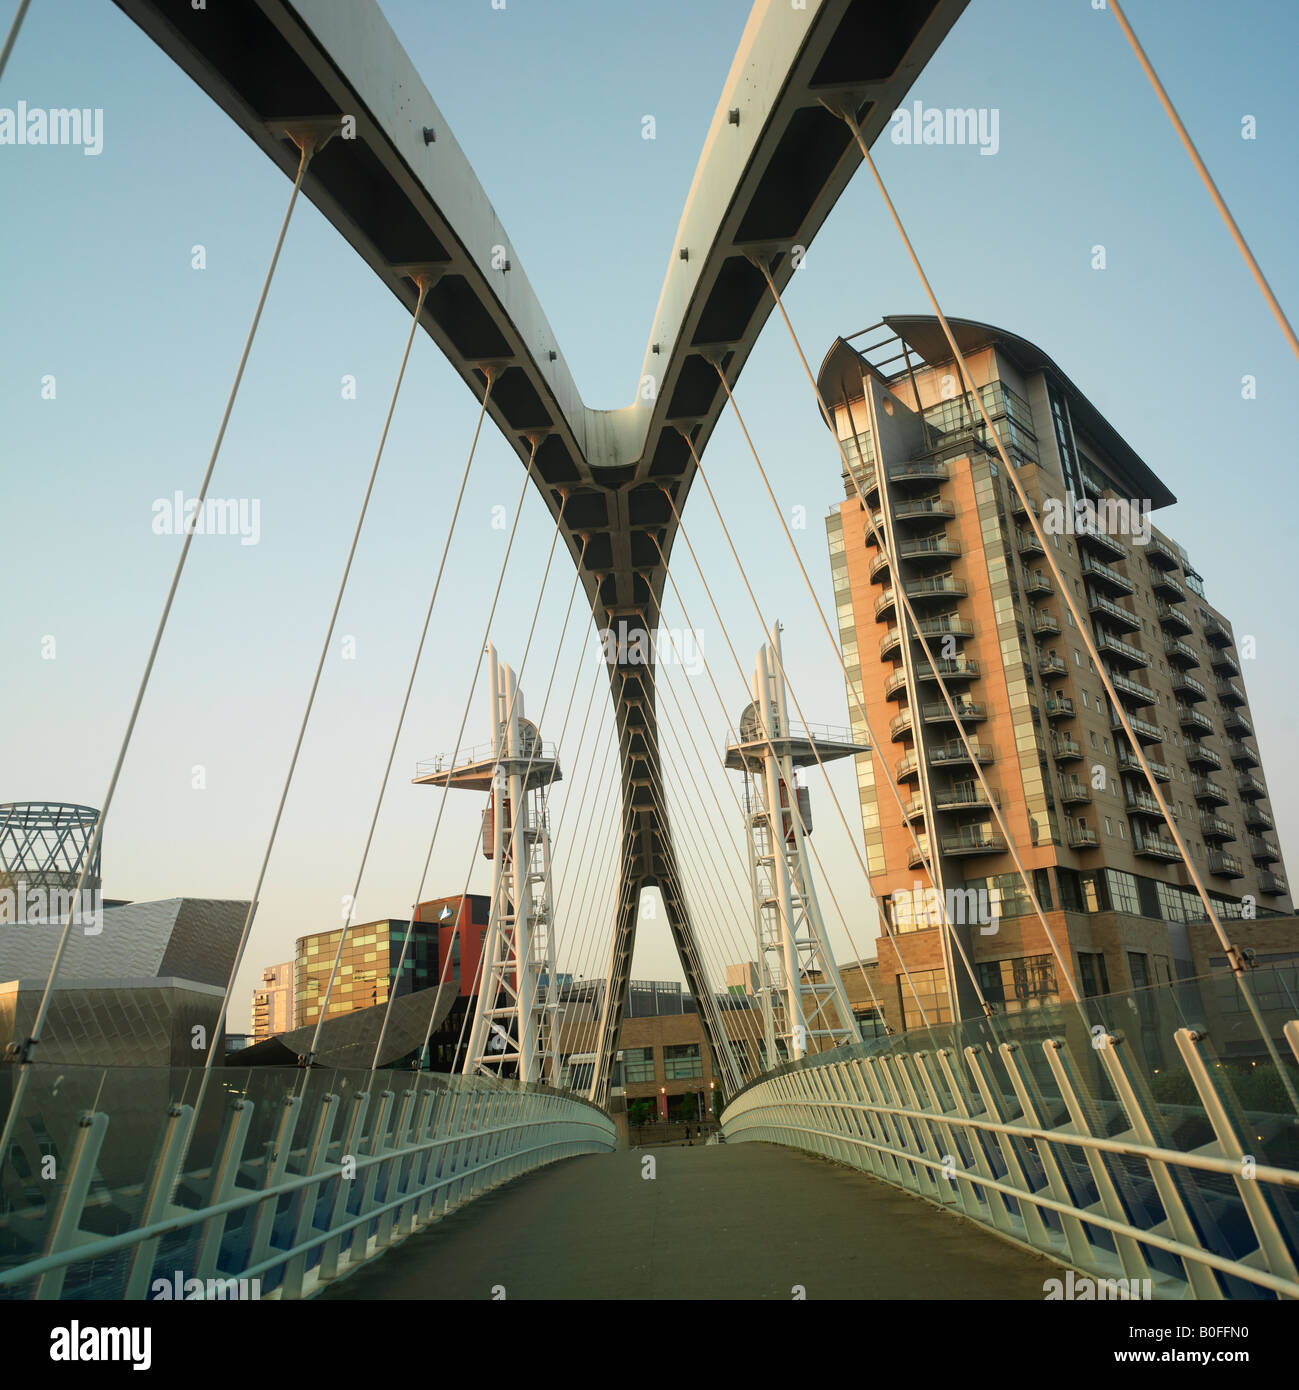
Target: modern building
[[946, 527], [273, 1001]]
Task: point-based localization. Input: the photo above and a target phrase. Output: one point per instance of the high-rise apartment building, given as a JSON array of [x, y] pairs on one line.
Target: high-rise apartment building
[[273, 1002], [952, 536]]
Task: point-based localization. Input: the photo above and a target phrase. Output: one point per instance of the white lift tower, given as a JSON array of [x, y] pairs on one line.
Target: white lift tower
[[514, 1032], [804, 1005]]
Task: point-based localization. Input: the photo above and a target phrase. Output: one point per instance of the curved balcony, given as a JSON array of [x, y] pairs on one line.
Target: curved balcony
[[923, 509], [900, 726], [1222, 661], [1216, 635], [884, 603], [890, 641], [974, 840], [1188, 687], [929, 548], [946, 753], [1198, 755], [896, 683], [1107, 578], [1124, 617], [1241, 753], [1209, 792], [867, 480], [936, 587], [1059, 707], [970, 712], [919, 471], [919, 852], [1172, 618], [906, 768], [1180, 654], [964, 796], [1225, 865], [879, 564], [946, 626], [1215, 828], [914, 809], [1271, 884], [958, 668]]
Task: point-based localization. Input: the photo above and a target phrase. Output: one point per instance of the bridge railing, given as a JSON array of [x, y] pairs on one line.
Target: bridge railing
[[1153, 1141], [113, 1188]]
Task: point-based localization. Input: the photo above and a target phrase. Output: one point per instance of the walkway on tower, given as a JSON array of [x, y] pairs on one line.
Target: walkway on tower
[[749, 1221]]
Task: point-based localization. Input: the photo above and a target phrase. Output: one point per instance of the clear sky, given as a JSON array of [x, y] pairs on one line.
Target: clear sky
[[548, 99]]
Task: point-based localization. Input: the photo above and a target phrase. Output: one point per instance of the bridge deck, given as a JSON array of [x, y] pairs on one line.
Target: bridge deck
[[745, 1221]]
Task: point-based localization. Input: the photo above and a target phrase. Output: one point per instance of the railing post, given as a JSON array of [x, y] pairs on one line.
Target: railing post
[[157, 1198], [225, 1179], [317, 1160], [65, 1227]]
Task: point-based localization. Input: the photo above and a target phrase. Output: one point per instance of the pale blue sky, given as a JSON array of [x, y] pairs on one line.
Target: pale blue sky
[[547, 99]]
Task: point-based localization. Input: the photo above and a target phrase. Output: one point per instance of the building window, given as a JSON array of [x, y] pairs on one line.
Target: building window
[[638, 1064], [1123, 892], [1023, 982], [682, 1060], [1138, 968], [1092, 974], [931, 987]]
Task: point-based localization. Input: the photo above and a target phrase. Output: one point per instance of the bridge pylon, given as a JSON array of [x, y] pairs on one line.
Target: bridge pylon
[[515, 1030], [804, 1005]]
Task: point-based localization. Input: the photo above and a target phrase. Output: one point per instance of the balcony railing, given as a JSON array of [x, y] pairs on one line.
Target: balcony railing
[[1229, 691], [974, 841], [1189, 686], [1145, 731], [1163, 555], [1133, 690], [1241, 753], [1037, 584], [1051, 665], [1028, 543], [1125, 651], [1165, 584], [1059, 707], [937, 586], [1179, 653], [1221, 659], [1066, 749], [1152, 846], [900, 724], [1073, 792], [1216, 634], [963, 795], [955, 752], [1261, 851], [1224, 865], [1198, 755], [1125, 617], [1193, 718], [1045, 622], [931, 548], [1203, 789], [917, 508], [1269, 882], [1215, 828], [1106, 574], [1083, 837], [1142, 803], [1257, 818], [1172, 617], [1102, 541], [1248, 785], [1234, 719], [957, 668], [923, 470], [968, 710], [1127, 760]]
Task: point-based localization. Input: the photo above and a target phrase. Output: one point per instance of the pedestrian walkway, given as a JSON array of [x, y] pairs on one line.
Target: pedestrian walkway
[[746, 1221]]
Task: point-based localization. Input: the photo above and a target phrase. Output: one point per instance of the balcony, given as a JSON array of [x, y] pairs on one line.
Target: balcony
[[1198, 755], [1150, 845], [1044, 623], [1141, 803], [1249, 786], [1144, 730], [1272, 884], [1188, 687], [1122, 651], [900, 725], [1222, 660], [906, 768], [945, 626], [1106, 544], [1065, 748], [1173, 618], [939, 586], [963, 796], [1107, 577], [956, 753], [884, 603], [1059, 707], [1229, 692], [1073, 792], [1241, 753], [1216, 634], [919, 471], [974, 840], [1179, 653], [1163, 556], [969, 711], [1236, 722], [919, 852], [1082, 837], [1128, 762], [1125, 617], [1051, 665], [1164, 583], [1028, 543], [1205, 790], [1132, 690], [955, 668], [1261, 852], [1225, 865], [1037, 584], [1193, 719], [866, 479], [1215, 828], [923, 508], [896, 682], [915, 808], [929, 548], [1257, 818]]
